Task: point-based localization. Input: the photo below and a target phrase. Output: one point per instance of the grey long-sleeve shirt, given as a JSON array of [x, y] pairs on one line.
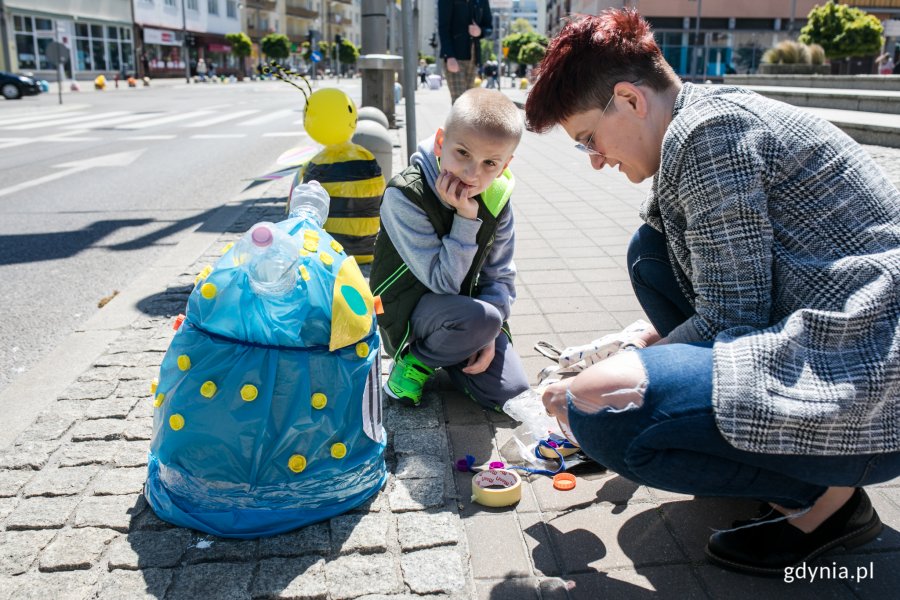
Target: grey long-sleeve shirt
[[442, 263]]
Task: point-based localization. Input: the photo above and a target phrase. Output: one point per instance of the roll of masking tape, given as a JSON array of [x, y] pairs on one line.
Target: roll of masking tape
[[496, 487]]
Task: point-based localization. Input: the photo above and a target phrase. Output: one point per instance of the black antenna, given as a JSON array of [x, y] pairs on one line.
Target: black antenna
[[279, 72]]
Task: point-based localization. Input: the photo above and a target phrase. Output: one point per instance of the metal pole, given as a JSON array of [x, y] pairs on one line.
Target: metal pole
[[7, 65], [698, 50], [184, 45], [409, 76], [793, 16], [59, 65]]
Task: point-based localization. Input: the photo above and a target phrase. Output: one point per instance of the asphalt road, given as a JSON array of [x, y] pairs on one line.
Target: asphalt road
[[91, 192]]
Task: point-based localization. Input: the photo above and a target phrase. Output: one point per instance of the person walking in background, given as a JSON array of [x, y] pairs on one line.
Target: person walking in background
[[461, 23], [201, 69], [423, 73]]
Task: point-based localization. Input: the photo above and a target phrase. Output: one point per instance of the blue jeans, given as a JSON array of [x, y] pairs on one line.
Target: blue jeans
[[654, 282], [671, 441]]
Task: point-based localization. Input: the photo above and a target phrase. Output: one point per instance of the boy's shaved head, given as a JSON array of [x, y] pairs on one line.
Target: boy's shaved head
[[488, 112]]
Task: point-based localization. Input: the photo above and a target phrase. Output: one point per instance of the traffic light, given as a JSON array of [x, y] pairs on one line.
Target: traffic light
[[433, 42], [338, 39], [311, 39]]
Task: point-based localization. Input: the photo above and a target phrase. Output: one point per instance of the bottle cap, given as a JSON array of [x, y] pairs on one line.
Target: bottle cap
[[564, 481], [262, 236]]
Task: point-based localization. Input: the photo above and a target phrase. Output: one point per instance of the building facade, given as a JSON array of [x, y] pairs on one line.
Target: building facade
[[709, 38], [99, 36]]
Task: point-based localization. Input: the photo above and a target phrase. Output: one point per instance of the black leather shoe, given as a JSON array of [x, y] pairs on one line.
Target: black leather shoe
[[770, 546]]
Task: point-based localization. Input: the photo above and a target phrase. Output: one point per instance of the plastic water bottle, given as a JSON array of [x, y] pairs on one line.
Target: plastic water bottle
[[310, 201], [269, 256]]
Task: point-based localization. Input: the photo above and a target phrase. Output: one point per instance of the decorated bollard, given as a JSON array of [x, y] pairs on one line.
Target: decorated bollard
[[267, 410], [349, 173]]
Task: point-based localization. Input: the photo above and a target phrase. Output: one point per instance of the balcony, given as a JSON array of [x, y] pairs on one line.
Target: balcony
[[298, 8], [270, 5]]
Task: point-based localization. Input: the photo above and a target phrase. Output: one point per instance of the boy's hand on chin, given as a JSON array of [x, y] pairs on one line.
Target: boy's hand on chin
[[455, 193]]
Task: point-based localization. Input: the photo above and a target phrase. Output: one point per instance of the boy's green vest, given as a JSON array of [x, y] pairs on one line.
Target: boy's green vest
[[391, 279]]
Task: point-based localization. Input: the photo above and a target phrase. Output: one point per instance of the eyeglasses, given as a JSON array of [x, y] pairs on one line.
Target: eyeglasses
[[589, 148]]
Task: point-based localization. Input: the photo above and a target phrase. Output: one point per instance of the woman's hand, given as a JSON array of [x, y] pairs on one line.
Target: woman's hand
[[454, 192], [474, 30], [480, 361], [554, 399], [452, 65]]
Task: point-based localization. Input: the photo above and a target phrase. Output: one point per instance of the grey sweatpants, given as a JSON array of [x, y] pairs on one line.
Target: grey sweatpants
[[448, 329]]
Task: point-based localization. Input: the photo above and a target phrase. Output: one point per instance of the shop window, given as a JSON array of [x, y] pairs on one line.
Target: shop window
[[97, 31], [43, 61], [43, 24], [98, 52], [23, 24], [112, 32], [25, 51], [193, 5], [83, 54], [213, 7], [81, 30], [231, 9]]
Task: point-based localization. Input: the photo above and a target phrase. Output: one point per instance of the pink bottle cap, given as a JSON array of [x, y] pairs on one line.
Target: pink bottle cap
[[262, 236]]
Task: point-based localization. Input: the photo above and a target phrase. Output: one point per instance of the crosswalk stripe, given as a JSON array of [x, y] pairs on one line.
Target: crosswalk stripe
[[114, 121], [163, 120], [285, 134], [147, 138], [222, 118], [22, 120], [66, 121], [15, 117], [217, 136], [278, 114]]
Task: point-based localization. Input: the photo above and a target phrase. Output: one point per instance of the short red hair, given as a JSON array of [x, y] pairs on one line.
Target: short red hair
[[587, 59]]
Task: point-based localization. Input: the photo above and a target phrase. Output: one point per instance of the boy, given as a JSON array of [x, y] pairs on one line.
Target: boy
[[444, 257]]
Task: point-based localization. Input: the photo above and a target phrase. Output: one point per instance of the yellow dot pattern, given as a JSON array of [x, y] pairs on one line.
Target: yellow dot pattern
[[303, 252], [326, 258], [176, 421], [227, 247], [297, 463], [310, 245], [319, 400], [304, 273], [184, 362], [310, 233], [158, 401], [362, 350], [209, 291], [338, 450], [203, 274], [154, 383], [208, 389], [336, 246], [249, 393]]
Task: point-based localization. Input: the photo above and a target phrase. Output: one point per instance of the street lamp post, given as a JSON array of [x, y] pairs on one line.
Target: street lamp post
[[696, 62], [184, 45]]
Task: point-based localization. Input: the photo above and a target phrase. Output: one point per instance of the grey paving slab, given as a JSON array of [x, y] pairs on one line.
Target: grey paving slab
[[294, 578], [146, 584], [112, 512], [362, 533], [61, 481], [67, 585], [509, 588], [355, 575], [41, 513], [148, 549], [418, 530], [496, 546], [675, 582], [223, 581], [75, 549]]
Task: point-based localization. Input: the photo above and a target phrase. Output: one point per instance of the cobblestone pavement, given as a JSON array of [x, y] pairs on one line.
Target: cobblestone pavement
[[74, 523]]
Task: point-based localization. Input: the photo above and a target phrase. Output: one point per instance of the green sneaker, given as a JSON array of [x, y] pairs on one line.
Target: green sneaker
[[407, 378]]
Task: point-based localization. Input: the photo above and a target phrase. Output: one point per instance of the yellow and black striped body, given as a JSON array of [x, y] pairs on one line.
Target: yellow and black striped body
[[351, 176]]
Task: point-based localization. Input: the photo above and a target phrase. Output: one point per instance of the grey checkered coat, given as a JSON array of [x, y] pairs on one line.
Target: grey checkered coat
[[787, 238]]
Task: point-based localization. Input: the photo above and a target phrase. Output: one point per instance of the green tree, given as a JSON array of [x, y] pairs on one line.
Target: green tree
[[487, 50], [521, 26], [843, 31], [276, 45], [516, 41], [348, 52], [241, 46], [531, 53]]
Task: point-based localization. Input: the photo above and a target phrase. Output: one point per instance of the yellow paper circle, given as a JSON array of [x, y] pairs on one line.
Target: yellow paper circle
[[304, 273], [338, 450], [176, 421], [158, 401], [319, 400], [326, 258], [154, 383], [330, 116], [297, 463], [209, 291], [310, 245], [249, 392], [362, 350], [184, 362], [336, 246], [208, 389]]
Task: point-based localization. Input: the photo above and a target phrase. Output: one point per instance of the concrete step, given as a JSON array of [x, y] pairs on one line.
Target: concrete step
[[846, 82], [875, 101]]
